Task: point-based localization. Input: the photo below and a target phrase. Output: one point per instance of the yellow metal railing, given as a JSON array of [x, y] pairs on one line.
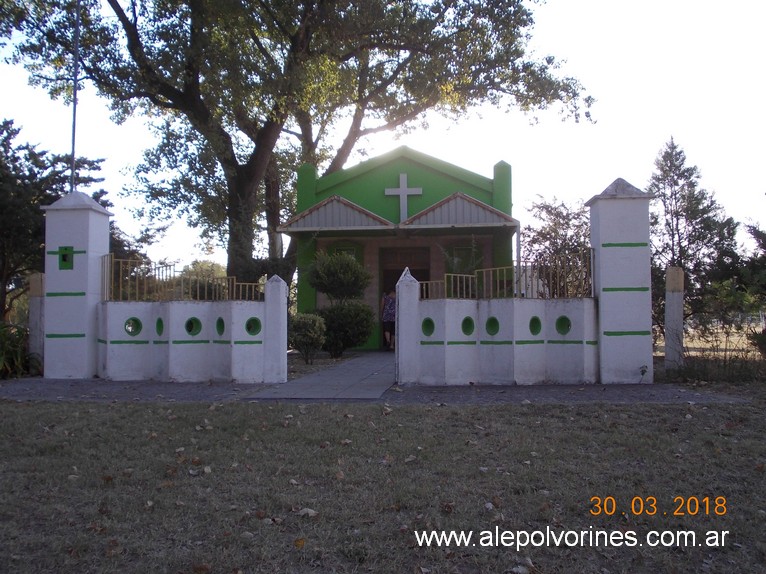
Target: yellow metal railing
[[134, 280], [567, 276]]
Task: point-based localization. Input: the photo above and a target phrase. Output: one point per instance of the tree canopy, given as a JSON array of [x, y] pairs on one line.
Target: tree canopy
[[29, 179], [689, 230], [239, 90]]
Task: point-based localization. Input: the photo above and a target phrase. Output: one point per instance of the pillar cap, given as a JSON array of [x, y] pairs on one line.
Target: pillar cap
[[620, 189], [76, 200]]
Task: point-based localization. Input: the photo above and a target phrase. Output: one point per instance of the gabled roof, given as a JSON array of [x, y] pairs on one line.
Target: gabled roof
[[460, 210], [473, 179], [620, 189], [336, 213], [76, 200]]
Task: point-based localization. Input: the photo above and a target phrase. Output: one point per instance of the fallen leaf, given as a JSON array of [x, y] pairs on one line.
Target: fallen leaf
[[299, 543], [410, 458], [345, 442], [307, 512]]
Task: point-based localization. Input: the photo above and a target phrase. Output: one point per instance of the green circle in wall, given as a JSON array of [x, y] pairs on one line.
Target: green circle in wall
[[467, 326], [193, 326], [253, 326], [220, 325], [492, 326], [563, 325], [159, 326], [535, 325], [133, 326], [428, 326]]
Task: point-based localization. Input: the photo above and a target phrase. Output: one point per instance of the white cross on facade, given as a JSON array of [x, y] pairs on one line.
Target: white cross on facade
[[403, 192]]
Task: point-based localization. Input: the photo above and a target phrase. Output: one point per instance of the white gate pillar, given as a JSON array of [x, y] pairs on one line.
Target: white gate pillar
[[619, 234], [76, 239], [407, 329], [275, 338]]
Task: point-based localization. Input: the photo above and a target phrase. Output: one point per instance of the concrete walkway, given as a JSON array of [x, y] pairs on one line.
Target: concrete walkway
[[364, 377]]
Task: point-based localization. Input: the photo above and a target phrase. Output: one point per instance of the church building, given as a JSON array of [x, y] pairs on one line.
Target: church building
[[403, 209]]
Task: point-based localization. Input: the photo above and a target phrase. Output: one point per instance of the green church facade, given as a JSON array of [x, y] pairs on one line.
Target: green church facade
[[403, 209]]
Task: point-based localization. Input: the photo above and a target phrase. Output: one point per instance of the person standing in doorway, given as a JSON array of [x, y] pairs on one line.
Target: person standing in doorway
[[388, 316]]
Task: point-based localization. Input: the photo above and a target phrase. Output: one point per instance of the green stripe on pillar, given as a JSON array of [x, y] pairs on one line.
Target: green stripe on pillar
[[627, 333], [625, 244]]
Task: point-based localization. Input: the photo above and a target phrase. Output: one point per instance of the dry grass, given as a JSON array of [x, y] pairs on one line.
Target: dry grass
[[234, 487]]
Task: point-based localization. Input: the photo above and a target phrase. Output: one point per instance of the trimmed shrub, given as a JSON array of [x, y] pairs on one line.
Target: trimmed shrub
[[15, 358], [348, 325], [339, 276], [306, 334]]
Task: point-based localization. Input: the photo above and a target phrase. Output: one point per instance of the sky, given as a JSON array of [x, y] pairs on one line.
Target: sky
[[686, 69]]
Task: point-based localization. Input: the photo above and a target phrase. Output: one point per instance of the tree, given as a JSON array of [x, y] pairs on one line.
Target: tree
[[30, 179], [689, 230], [556, 250], [348, 321], [233, 86], [339, 276]]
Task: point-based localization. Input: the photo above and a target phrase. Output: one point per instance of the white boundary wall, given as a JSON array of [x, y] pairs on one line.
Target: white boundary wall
[[605, 339], [498, 341], [188, 341]]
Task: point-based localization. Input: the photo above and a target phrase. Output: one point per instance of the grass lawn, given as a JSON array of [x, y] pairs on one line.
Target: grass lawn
[[267, 487]]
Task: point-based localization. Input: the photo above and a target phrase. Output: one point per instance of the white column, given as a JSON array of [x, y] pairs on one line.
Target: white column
[[407, 329], [619, 220], [76, 239], [275, 333]]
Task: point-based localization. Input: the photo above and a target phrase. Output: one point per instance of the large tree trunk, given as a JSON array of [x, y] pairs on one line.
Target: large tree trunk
[[272, 187], [241, 212]]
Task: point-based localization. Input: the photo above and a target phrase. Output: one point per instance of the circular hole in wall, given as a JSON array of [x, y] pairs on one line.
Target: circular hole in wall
[[428, 326], [467, 326], [159, 326], [133, 326], [220, 325], [253, 326], [535, 325], [492, 326], [563, 325], [193, 326]]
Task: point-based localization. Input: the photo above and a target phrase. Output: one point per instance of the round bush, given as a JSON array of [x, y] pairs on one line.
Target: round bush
[[348, 325], [306, 334]]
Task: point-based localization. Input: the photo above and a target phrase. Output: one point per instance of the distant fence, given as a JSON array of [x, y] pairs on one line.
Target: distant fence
[[134, 280], [569, 276]]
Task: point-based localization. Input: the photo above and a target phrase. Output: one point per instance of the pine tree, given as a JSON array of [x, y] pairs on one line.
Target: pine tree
[[689, 230]]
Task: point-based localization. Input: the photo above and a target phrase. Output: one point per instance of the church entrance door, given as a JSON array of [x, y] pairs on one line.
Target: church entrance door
[[393, 261]]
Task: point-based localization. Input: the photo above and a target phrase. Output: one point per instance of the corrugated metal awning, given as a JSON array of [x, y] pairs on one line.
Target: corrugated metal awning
[[454, 212], [459, 210], [336, 213]]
